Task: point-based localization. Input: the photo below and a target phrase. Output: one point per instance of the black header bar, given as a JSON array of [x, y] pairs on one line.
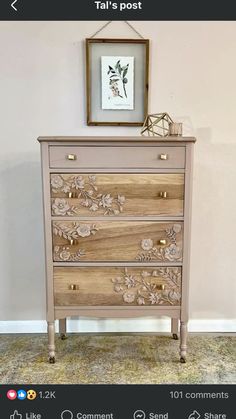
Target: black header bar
[[117, 10]]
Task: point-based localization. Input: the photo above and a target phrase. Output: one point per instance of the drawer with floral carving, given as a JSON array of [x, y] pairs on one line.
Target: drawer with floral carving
[[117, 194], [114, 286], [139, 241]]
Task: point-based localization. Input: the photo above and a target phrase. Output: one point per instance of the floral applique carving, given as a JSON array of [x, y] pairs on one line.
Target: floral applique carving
[[74, 230], [85, 189], [172, 252], [142, 288], [69, 232], [64, 254]]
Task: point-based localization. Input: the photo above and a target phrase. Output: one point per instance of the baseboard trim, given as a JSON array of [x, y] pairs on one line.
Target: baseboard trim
[[120, 325]]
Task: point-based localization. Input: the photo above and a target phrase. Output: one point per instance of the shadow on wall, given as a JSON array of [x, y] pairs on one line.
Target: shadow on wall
[[23, 280]]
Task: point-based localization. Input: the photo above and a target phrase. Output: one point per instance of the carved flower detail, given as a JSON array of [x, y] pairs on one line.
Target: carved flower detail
[[60, 206], [172, 252], [128, 297], [92, 178], [146, 244], [72, 231], [84, 230], [94, 207], [146, 288], [56, 181], [121, 199], [140, 301], [175, 295], [64, 255], [154, 298], [130, 281], [79, 182], [106, 201], [118, 288], [85, 191], [177, 228]]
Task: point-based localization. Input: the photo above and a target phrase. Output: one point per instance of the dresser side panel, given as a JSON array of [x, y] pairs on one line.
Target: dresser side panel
[[47, 231], [187, 232]]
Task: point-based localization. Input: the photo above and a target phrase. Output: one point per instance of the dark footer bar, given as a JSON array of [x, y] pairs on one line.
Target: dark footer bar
[[117, 401]]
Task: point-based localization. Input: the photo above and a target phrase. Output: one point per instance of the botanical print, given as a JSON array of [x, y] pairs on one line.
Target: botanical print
[[117, 82], [142, 288], [85, 189], [170, 252]]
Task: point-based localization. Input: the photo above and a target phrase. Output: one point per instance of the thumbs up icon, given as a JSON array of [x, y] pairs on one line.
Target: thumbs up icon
[[16, 415]]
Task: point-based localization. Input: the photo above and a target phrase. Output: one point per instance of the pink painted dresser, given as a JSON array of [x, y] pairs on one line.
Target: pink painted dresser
[[117, 215]]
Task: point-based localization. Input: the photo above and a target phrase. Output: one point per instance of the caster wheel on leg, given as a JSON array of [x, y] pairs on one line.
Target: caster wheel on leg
[[182, 360], [63, 336], [52, 360], [175, 336]]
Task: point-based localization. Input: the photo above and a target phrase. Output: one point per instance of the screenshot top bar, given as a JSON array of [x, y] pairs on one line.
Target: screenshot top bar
[[116, 10]]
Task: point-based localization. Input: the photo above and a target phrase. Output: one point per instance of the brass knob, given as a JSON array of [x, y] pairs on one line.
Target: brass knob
[[162, 242], [163, 194], [163, 157], [161, 287], [71, 157], [72, 195], [72, 242], [73, 287]]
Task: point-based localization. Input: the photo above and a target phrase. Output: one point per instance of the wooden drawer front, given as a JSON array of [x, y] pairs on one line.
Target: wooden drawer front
[[143, 241], [118, 194], [116, 157], [115, 286]]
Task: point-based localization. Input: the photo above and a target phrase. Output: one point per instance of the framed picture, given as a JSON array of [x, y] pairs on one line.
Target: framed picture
[[117, 81]]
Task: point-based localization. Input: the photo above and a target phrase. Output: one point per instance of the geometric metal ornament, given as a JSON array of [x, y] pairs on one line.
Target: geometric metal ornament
[[157, 124]]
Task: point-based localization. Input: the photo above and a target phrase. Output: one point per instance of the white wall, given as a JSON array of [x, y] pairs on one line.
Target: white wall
[[42, 92]]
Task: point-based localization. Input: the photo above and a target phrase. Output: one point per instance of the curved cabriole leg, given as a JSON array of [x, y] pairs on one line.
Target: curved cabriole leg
[[175, 328], [51, 342], [62, 329], [183, 341]]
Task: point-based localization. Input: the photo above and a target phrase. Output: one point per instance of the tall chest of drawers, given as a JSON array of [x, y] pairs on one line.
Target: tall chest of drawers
[[117, 215]]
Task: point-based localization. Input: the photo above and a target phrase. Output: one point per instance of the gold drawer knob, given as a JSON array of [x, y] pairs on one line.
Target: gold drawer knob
[[72, 242], [163, 194], [72, 195], [162, 242], [73, 287], [161, 287], [71, 157], [163, 156]]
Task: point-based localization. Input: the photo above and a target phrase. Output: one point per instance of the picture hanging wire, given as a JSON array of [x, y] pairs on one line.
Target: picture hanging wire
[[111, 21]]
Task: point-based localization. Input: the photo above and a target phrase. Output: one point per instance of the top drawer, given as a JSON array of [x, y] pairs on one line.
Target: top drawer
[[116, 157]]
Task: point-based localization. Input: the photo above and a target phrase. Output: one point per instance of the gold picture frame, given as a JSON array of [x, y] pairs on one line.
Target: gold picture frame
[[95, 49]]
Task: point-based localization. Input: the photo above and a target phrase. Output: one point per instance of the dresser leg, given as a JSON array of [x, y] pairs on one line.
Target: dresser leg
[[183, 341], [62, 329], [51, 342], [175, 328]]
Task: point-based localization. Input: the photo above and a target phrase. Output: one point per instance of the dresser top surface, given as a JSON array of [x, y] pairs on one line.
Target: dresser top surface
[[134, 139]]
